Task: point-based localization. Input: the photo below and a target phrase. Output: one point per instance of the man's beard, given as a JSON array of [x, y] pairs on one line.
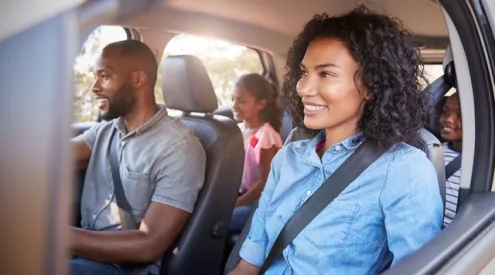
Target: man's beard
[[120, 104]]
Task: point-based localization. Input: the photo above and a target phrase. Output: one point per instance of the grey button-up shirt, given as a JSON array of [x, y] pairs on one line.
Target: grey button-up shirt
[[161, 161]]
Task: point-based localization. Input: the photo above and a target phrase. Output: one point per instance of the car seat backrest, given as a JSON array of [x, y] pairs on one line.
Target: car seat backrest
[[225, 110], [187, 87], [433, 148], [286, 126]]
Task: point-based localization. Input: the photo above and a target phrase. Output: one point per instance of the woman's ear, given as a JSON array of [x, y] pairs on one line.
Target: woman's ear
[[367, 95], [362, 89]]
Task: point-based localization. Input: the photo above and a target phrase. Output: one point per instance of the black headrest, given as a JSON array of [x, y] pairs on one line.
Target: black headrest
[[449, 68], [186, 85]]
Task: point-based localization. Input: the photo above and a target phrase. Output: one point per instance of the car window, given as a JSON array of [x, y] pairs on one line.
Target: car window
[[85, 107], [225, 62], [433, 72]]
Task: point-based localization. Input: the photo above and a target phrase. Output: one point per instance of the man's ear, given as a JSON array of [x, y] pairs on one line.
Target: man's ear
[[138, 78]]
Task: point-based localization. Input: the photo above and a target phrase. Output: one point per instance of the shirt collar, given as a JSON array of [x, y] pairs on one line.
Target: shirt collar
[[157, 117], [304, 147], [353, 141]]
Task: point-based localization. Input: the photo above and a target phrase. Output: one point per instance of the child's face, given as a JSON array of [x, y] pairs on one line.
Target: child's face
[[246, 106], [450, 121]]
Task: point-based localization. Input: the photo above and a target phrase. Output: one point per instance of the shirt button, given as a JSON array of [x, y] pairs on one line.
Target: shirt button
[[338, 147], [122, 143], [94, 216], [308, 193]]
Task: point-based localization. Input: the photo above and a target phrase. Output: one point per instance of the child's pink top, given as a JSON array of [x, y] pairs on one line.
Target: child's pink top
[[265, 138]]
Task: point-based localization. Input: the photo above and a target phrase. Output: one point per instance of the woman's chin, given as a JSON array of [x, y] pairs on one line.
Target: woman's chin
[[313, 125]]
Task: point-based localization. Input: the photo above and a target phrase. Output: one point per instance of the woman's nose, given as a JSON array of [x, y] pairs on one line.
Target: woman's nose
[[306, 86]]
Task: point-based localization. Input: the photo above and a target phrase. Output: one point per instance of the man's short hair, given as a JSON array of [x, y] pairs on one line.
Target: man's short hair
[[138, 51]]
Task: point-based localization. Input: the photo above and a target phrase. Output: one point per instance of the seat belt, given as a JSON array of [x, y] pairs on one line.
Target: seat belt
[[126, 218], [361, 159], [453, 166]]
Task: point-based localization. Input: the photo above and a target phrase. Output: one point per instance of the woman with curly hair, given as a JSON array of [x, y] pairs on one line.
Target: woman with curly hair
[[350, 78]]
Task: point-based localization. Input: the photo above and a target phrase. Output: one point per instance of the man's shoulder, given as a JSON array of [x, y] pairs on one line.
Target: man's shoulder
[[95, 130], [105, 125], [172, 131]]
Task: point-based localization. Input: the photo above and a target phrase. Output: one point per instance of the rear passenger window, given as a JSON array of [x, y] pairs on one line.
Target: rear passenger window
[[224, 61], [433, 72], [85, 107]]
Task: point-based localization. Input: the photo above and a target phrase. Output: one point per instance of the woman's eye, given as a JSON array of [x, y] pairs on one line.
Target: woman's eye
[[326, 75], [303, 74]]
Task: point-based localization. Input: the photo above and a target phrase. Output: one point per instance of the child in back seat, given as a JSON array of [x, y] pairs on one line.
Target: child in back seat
[[451, 132], [256, 105]]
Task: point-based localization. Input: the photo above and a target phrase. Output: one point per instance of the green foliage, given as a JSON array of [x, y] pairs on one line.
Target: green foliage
[[84, 103]]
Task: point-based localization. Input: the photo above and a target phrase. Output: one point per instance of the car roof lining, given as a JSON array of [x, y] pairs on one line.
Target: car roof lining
[[272, 25]]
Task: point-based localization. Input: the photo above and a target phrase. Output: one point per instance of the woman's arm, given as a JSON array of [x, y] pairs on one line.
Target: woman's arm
[[411, 204], [255, 192], [253, 249], [245, 268]]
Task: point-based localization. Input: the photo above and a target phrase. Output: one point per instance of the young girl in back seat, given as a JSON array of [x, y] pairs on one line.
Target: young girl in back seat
[[256, 105]]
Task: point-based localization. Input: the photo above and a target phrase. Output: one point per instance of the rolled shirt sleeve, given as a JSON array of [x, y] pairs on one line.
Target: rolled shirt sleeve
[[89, 136], [181, 175]]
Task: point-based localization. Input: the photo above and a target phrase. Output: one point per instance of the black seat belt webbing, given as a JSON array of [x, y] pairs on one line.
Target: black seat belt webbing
[[126, 218], [361, 159], [453, 166]]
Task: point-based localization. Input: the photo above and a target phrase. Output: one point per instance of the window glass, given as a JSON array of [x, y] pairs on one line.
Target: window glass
[[433, 72], [225, 62], [85, 107]]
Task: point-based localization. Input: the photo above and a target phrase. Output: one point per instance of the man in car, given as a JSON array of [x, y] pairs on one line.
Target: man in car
[[451, 132], [161, 165]]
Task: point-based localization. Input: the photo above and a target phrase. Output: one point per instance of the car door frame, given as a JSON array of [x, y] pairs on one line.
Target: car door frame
[[467, 246]]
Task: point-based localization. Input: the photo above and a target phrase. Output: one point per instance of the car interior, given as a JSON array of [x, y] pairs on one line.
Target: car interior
[[457, 36], [428, 143], [187, 87]]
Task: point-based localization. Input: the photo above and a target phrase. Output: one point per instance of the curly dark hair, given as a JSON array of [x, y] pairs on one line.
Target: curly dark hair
[[390, 68]]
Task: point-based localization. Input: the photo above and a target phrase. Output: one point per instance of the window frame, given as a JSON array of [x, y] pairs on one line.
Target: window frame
[[266, 60], [131, 34]]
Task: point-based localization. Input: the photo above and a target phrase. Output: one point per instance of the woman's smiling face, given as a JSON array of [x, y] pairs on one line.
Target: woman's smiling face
[[328, 88]]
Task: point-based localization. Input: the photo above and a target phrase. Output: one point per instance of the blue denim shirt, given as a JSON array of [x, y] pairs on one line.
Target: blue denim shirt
[[392, 209]]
